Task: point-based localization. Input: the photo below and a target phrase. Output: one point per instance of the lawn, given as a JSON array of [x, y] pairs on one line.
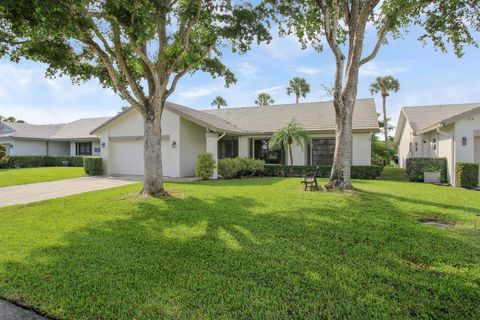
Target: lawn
[[244, 249], [11, 177]]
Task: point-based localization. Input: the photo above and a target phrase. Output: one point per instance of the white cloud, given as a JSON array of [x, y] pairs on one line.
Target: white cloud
[[376, 69], [247, 70], [195, 93], [271, 89], [310, 71]]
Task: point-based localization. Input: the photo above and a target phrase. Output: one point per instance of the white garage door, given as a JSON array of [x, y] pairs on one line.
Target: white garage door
[[126, 157]]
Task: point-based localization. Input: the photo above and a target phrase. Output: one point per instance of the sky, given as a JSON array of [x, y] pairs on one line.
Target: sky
[[426, 77]]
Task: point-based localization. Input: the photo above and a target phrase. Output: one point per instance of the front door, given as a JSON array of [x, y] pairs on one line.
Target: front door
[[477, 149]]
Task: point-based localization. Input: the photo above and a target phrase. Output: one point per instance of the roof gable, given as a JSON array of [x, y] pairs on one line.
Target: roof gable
[[423, 117]]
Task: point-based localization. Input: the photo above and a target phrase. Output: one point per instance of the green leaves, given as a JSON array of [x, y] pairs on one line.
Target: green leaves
[[264, 99], [293, 132]]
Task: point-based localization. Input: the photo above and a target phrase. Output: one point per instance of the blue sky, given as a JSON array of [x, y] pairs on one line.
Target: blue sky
[[426, 77]]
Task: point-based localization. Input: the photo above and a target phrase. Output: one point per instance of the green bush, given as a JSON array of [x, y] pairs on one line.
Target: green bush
[[229, 168], [382, 154], [93, 166], [416, 167], [205, 165], [358, 172], [466, 174], [378, 160], [44, 161], [4, 158], [240, 167]]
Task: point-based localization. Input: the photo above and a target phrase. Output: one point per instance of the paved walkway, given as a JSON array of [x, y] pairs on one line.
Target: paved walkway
[[28, 193], [9, 311]]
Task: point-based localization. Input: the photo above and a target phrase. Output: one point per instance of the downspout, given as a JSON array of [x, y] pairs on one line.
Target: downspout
[[452, 151]]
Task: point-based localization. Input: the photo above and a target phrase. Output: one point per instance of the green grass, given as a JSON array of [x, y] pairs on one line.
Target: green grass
[[391, 173], [11, 177], [259, 248]]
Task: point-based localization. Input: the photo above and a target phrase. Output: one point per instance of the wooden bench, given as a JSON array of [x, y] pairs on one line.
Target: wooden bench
[[310, 181]]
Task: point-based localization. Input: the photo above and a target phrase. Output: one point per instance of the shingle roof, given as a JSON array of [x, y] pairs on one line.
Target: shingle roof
[[313, 116], [79, 129], [422, 117], [203, 118], [34, 131]]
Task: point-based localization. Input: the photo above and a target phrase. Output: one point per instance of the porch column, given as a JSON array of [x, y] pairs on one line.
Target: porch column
[[212, 147], [73, 148]]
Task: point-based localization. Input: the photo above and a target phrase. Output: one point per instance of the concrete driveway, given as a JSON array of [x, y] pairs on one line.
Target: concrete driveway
[[28, 193]]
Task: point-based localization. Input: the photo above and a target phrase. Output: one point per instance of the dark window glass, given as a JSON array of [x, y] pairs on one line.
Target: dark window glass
[[228, 147], [464, 141], [262, 152], [323, 151], [84, 148]]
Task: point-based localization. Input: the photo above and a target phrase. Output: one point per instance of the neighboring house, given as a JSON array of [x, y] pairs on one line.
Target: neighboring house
[[232, 132], [69, 139], [441, 131]]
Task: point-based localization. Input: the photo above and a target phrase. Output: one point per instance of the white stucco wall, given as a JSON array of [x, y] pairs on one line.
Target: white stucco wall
[[30, 147], [466, 127], [129, 127], [58, 148], [446, 149], [192, 142], [362, 149], [243, 147]]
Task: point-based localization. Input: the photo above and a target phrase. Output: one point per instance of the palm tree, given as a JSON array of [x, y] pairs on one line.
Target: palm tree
[[384, 85], [219, 102], [264, 99], [293, 132], [298, 86]]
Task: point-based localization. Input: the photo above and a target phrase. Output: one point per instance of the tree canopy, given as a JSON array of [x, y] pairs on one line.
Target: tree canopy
[[286, 136], [219, 102], [299, 87], [10, 119], [264, 99]]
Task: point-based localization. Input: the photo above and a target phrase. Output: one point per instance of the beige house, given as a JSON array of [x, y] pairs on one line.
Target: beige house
[[232, 132], [440, 131], [69, 139]]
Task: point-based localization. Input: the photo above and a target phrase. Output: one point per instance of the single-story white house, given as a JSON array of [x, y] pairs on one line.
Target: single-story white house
[[68, 139], [231, 132], [440, 131]]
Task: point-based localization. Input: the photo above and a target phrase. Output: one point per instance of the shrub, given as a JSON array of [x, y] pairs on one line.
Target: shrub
[[382, 154], [378, 160], [205, 165], [93, 166], [44, 161], [416, 167], [466, 174], [240, 167], [229, 168], [4, 158], [358, 172]]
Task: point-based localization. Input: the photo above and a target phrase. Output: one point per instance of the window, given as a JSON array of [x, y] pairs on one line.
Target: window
[[464, 141], [323, 151], [228, 147], [84, 148], [434, 144], [96, 150], [416, 146], [262, 152]]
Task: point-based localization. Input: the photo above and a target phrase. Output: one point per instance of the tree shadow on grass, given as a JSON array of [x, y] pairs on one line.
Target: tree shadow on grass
[[236, 257]]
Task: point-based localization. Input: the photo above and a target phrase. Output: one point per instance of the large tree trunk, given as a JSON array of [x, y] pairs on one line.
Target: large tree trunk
[[342, 161], [291, 155], [385, 121], [152, 155]]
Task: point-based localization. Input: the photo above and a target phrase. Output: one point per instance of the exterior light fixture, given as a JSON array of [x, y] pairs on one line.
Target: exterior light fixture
[[103, 145], [174, 144]]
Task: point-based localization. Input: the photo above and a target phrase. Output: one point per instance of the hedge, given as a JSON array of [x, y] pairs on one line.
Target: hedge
[[358, 172], [417, 166], [93, 166], [43, 161], [205, 165], [229, 168], [466, 174]]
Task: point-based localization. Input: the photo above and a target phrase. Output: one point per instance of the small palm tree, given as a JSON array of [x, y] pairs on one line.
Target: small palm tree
[[385, 85], [298, 86], [264, 99], [219, 102], [293, 132]]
